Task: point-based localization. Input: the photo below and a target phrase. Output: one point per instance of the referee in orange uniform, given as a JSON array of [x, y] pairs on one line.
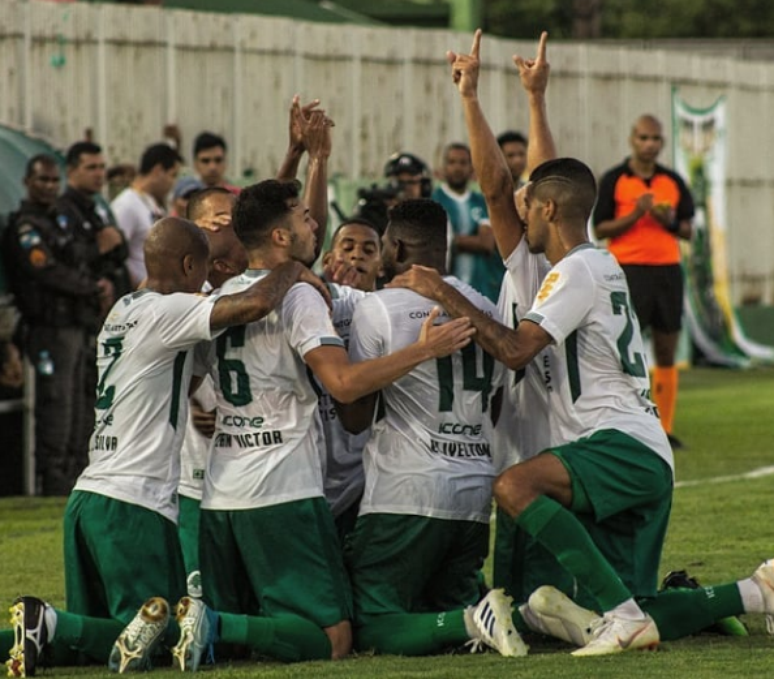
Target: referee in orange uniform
[[643, 208]]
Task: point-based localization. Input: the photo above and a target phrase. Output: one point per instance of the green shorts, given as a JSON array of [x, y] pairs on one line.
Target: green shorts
[[117, 555], [623, 491], [275, 560], [414, 564], [622, 494]]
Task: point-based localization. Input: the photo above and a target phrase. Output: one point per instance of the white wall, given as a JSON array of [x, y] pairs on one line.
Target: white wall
[[130, 70]]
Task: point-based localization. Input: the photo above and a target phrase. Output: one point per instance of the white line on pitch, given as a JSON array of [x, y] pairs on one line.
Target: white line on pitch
[[754, 474]]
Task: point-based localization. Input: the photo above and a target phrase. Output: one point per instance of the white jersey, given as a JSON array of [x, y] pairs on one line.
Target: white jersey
[[599, 375], [145, 363], [136, 213], [343, 452], [522, 429], [430, 454], [265, 448], [196, 446]]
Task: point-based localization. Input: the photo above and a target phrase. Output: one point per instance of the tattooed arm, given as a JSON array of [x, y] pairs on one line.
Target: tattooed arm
[[516, 348], [263, 297]]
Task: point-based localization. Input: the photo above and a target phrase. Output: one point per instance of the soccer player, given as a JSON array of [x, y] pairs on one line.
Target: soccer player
[[355, 246], [598, 404], [423, 530], [264, 475], [121, 542], [206, 208], [607, 491]]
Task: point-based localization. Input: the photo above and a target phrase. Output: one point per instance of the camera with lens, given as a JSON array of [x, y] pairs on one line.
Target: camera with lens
[[407, 177], [375, 201]]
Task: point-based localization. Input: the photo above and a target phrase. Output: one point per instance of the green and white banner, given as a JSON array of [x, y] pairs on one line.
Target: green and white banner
[[700, 157]]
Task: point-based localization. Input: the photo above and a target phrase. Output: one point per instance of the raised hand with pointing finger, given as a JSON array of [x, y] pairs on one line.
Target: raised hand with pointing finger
[[534, 72], [465, 67]]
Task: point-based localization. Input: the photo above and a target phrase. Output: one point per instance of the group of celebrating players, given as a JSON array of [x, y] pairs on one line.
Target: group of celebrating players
[[342, 497]]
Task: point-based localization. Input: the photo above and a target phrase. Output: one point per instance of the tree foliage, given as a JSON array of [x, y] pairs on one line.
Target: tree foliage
[[633, 19]]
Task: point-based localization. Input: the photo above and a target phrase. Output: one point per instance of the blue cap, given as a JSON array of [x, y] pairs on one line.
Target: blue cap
[[185, 186]]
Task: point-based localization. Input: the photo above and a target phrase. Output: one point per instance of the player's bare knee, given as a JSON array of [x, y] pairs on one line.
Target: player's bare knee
[[509, 492], [340, 636]]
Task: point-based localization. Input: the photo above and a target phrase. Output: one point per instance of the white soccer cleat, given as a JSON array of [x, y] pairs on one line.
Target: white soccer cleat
[[194, 584], [554, 614], [764, 578], [611, 634], [493, 622], [198, 633], [134, 646]]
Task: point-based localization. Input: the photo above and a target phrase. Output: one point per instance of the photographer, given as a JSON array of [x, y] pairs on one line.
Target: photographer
[[408, 177]]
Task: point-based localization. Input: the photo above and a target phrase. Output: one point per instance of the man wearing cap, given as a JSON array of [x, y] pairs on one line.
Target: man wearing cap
[[410, 174], [184, 188], [143, 203]]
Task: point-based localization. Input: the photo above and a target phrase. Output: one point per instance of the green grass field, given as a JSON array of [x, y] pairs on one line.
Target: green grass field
[[721, 530]]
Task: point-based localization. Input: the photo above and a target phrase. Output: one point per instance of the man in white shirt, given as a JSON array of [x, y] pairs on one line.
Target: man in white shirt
[[143, 203], [355, 245]]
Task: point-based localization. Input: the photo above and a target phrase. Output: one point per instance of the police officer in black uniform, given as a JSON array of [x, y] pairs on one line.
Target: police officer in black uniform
[[50, 271]]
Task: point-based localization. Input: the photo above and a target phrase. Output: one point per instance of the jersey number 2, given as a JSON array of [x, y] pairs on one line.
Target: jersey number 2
[[635, 365]]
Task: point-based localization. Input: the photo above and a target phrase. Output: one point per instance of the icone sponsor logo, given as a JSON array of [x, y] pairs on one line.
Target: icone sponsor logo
[[457, 428], [239, 421]]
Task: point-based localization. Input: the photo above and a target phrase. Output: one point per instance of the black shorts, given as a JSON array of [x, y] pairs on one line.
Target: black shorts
[[657, 295]]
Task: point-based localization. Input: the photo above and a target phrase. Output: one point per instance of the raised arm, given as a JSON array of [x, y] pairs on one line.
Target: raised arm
[[492, 172], [262, 297], [317, 140], [298, 119], [533, 74]]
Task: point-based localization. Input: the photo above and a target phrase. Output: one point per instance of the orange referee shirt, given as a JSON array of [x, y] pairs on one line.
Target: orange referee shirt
[[647, 242]]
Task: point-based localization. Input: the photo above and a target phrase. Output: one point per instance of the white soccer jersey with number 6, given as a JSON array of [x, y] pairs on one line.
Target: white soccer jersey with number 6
[[265, 448]]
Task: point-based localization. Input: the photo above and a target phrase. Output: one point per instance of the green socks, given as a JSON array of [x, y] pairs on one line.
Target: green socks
[[412, 634], [78, 634], [680, 612], [560, 532], [288, 638]]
